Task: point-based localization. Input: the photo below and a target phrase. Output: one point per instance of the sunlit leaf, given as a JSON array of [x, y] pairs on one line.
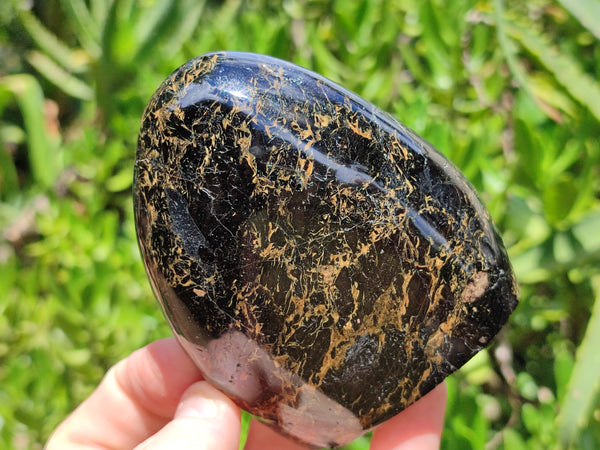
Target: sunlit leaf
[[565, 69], [41, 149], [587, 12], [70, 60], [584, 385], [59, 77], [85, 26], [9, 180], [558, 198], [189, 14], [156, 23]]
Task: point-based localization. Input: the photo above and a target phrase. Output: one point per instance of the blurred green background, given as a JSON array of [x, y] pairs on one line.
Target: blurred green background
[[507, 90]]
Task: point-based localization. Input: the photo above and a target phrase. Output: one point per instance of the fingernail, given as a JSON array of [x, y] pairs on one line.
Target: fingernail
[[197, 403]]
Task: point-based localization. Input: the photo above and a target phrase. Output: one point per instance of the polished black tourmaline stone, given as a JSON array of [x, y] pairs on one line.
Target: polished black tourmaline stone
[[322, 264]]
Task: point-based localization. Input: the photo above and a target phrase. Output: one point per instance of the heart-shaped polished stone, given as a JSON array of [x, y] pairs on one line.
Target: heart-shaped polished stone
[[324, 266]]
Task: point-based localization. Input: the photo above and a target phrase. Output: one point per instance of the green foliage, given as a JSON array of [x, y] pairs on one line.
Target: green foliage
[[583, 388], [509, 92], [42, 148]]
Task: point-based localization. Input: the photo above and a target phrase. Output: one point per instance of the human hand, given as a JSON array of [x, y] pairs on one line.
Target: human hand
[[154, 400]]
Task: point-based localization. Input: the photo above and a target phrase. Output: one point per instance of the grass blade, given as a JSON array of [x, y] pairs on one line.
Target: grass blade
[[586, 11], [99, 10], [510, 54], [60, 77], [51, 45], [565, 69], [151, 26], [437, 54], [41, 150], [9, 178], [87, 29], [167, 25], [190, 13], [584, 384]]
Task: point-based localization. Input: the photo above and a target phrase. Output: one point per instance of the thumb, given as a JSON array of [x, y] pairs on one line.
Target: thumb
[[205, 419]]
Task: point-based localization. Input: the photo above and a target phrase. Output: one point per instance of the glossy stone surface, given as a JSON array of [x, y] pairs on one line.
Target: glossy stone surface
[[323, 265]]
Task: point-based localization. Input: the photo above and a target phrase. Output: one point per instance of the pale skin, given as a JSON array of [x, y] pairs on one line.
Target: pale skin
[[143, 403]]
